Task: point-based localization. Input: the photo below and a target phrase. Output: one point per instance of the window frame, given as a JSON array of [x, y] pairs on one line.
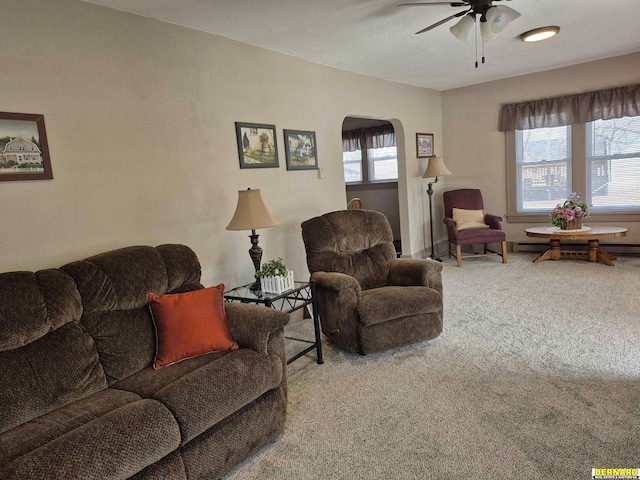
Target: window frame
[[367, 166], [578, 182]]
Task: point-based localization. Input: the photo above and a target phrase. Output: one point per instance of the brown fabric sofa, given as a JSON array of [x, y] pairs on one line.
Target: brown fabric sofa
[[368, 300], [78, 395]]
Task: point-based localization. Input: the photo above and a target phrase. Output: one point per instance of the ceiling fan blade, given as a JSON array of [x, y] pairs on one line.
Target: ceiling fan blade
[[437, 24], [422, 4]]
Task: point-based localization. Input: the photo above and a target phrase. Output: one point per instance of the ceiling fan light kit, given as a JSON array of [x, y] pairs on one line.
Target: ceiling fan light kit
[[538, 34], [461, 29], [493, 20]]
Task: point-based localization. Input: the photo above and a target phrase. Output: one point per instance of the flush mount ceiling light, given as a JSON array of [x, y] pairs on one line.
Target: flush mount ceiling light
[[538, 34]]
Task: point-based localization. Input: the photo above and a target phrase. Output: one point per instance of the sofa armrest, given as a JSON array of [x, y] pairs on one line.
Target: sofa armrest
[[425, 273], [494, 221], [253, 326], [337, 296]]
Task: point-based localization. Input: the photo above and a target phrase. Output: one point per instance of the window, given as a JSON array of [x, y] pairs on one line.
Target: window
[[613, 164], [372, 165], [543, 159], [352, 162]]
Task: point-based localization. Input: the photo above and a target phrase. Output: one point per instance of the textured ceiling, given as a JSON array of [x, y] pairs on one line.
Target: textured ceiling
[[377, 38]]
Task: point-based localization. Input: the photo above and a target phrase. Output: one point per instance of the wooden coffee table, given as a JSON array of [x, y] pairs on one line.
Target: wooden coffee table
[[591, 234]]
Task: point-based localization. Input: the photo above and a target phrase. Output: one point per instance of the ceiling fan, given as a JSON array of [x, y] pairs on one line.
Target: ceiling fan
[[493, 19]]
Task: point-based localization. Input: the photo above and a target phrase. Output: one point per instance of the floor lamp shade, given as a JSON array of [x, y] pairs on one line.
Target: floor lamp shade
[[436, 168], [251, 213]]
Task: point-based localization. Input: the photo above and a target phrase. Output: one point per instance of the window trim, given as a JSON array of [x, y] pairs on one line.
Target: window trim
[[578, 176]]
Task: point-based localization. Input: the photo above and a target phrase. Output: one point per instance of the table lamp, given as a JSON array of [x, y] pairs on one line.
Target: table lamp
[[435, 169], [251, 213]]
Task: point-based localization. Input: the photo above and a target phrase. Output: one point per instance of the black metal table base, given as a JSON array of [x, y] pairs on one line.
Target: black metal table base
[[301, 296]]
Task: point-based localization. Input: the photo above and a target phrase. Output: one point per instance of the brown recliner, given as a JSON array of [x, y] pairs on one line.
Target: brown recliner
[[369, 300], [470, 199]]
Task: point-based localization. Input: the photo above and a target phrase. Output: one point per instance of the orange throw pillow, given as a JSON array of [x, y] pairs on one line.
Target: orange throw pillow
[[189, 324]]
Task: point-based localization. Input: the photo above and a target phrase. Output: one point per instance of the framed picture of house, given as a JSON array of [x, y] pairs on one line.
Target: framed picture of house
[[300, 147], [257, 145], [24, 152], [424, 145]]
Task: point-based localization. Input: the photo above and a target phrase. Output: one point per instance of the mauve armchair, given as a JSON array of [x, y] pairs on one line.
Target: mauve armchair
[[488, 228], [368, 300]]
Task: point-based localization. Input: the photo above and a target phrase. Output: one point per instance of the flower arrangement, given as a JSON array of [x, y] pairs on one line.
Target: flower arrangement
[[273, 268], [275, 277], [572, 209]]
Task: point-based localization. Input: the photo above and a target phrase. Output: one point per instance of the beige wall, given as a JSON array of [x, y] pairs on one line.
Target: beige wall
[[140, 120], [475, 149]]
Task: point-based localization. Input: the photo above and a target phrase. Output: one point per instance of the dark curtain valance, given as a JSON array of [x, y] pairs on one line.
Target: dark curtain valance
[[372, 137], [571, 109]]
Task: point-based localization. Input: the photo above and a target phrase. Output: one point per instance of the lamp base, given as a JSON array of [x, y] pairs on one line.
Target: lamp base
[[434, 257], [255, 286]]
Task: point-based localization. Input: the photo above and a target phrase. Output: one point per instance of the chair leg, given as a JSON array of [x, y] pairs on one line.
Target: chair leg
[[504, 252], [459, 255]]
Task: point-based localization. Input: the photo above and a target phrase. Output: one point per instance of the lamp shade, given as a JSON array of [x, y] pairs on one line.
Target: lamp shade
[[498, 18], [436, 168], [461, 29], [251, 212]]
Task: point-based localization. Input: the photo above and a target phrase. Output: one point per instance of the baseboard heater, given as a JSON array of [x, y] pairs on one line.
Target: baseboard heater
[[614, 248]]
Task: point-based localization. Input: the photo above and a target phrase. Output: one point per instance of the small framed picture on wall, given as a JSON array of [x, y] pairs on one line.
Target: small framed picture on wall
[[24, 152], [300, 146], [424, 145], [257, 145]]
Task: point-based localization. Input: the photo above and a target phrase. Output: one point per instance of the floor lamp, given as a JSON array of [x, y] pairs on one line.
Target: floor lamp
[[251, 213], [435, 169]]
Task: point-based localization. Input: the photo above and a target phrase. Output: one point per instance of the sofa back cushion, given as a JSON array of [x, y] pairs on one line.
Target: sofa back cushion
[[114, 287], [47, 359], [358, 243]]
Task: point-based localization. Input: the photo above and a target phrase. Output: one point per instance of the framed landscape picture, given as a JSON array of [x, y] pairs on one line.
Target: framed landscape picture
[[300, 146], [257, 145], [24, 152], [424, 145]]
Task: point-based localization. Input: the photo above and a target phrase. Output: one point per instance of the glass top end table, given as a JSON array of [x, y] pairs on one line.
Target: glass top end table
[[302, 295]]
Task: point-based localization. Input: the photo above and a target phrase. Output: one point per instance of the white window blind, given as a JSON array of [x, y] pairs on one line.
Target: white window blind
[[543, 159], [613, 164]]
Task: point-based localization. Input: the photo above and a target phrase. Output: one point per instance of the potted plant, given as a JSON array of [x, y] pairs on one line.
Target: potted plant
[[569, 215], [275, 277]]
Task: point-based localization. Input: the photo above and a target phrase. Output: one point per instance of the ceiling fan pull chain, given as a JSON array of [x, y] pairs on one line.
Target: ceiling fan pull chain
[[475, 24], [482, 39]]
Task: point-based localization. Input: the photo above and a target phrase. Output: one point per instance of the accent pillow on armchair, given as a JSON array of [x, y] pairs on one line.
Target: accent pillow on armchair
[[369, 300]]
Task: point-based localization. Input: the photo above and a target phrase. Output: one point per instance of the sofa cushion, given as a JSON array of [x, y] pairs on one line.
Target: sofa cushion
[[114, 287], [49, 373], [220, 384], [42, 430], [117, 444], [48, 360], [190, 324], [382, 304]]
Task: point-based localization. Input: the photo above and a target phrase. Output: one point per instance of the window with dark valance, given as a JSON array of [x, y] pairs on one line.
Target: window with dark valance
[[587, 142], [571, 109], [369, 154]]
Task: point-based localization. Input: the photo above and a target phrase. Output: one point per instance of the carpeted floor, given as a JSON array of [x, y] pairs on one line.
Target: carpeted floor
[[536, 376]]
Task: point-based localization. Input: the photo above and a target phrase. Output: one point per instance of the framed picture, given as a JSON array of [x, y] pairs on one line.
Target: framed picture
[[424, 145], [257, 145], [24, 152], [301, 150]]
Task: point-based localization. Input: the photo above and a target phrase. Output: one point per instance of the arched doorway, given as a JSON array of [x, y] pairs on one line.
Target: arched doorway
[[371, 168]]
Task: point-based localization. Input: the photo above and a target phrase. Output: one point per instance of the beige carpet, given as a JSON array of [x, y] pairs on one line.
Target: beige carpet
[[536, 376]]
